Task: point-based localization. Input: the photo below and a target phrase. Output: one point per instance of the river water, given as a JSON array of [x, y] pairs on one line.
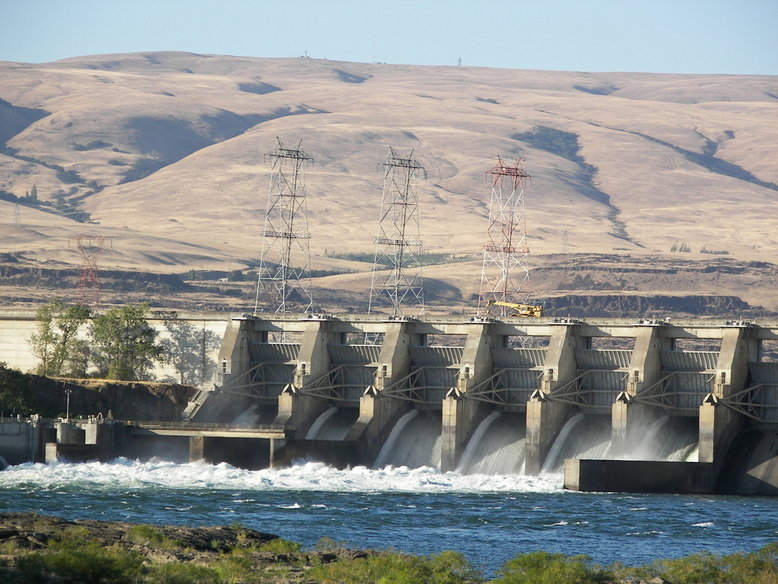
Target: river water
[[490, 518]]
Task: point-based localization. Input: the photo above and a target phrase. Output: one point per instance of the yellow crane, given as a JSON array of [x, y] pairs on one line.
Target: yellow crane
[[519, 309]]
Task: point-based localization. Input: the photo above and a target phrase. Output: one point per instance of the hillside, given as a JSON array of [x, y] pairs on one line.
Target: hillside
[[164, 154]]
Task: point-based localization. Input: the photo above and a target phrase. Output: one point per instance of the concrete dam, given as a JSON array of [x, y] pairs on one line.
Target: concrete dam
[[614, 404], [617, 405]]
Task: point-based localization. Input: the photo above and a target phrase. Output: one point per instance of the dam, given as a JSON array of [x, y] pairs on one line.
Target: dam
[[617, 404], [614, 404]]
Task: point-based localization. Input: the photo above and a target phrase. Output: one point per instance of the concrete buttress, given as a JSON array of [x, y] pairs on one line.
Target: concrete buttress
[[461, 415], [645, 369], [377, 414], [719, 425], [545, 418], [296, 410]]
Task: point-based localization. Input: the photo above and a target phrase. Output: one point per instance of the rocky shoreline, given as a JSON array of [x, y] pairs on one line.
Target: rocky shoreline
[[48, 549], [30, 534]]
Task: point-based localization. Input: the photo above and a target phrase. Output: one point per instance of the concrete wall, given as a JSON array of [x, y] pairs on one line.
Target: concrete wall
[[638, 476]]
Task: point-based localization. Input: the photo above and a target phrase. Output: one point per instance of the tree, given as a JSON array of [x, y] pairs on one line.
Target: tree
[[56, 343], [124, 343], [13, 391], [188, 350]]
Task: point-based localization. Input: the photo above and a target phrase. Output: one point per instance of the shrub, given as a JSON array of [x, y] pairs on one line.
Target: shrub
[[181, 573], [546, 568], [279, 546], [397, 568], [149, 535], [82, 562]]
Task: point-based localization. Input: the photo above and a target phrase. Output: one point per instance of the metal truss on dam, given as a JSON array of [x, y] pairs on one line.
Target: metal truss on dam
[[297, 371]]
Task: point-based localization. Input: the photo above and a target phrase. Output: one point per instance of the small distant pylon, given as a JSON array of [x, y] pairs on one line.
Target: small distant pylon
[[504, 270], [397, 260], [88, 286], [284, 274]]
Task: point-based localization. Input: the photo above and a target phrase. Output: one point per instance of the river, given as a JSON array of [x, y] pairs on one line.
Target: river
[[489, 518]]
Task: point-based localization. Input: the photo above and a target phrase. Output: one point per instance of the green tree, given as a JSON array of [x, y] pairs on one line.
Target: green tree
[[188, 350], [124, 343], [56, 342], [13, 391]]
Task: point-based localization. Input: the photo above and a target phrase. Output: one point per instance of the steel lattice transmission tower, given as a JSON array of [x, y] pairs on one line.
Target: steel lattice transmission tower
[[88, 286], [397, 265], [504, 270], [284, 277]]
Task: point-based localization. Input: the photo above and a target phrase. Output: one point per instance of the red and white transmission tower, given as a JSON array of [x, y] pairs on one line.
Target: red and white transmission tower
[[504, 270], [397, 261], [88, 285], [284, 277]]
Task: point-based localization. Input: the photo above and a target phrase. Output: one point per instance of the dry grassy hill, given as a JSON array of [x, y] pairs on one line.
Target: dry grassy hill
[[164, 153]]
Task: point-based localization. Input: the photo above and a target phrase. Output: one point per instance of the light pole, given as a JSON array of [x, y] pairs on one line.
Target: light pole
[[67, 406]]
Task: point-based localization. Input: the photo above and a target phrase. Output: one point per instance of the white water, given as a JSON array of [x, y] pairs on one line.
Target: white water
[[414, 442], [468, 455], [319, 423], [302, 476], [496, 447], [580, 437], [667, 438], [391, 441], [552, 458]]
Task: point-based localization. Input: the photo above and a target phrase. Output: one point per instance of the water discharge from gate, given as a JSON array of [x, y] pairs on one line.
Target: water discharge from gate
[[413, 442], [497, 447]]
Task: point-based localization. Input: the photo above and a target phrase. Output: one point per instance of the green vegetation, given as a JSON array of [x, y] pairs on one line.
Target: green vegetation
[[77, 554], [119, 344], [13, 392], [681, 247], [545, 568], [559, 142], [703, 249], [78, 561], [124, 343], [149, 535], [56, 343], [397, 568]]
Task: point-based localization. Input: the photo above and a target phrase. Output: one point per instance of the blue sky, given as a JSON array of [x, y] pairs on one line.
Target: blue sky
[[666, 36]]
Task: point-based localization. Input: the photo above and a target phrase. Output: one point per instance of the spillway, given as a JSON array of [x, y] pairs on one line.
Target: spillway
[[513, 395], [413, 442], [496, 447]]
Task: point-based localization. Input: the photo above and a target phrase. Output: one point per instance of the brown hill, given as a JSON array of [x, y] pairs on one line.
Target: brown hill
[[164, 153]]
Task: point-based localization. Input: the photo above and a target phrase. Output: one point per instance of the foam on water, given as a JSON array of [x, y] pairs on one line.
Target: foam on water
[[302, 476]]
